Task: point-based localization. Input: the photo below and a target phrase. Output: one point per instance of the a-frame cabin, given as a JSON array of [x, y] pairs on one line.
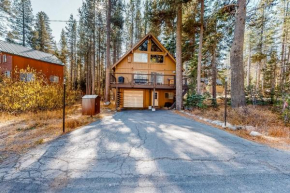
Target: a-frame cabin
[[144, 76]]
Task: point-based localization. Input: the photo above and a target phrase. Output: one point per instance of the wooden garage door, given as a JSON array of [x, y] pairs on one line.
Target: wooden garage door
[[133, 99]]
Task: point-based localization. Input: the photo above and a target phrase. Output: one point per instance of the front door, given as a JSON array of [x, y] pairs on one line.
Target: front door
[[156, 98]]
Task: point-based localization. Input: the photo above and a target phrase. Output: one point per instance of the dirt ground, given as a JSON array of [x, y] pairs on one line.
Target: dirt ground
[[275, 133], [19, 133]]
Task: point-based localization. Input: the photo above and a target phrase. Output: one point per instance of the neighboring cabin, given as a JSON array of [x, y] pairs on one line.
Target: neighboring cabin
[[206, 86], [145, 76], [13, 56]]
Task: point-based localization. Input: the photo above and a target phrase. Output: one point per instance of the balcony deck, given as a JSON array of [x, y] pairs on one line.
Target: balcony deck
[[145, 81]]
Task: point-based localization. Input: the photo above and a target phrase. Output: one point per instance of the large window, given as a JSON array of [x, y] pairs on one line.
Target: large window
[[157, 59], [141, 57], [144, 46], [154, 47]]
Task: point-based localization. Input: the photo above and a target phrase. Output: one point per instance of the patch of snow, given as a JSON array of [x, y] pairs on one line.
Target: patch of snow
[[255, 134]]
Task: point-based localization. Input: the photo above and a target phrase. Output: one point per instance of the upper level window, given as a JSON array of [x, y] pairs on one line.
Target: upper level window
[[144, 46], [4, 58], [54, 79], [154, 47], [140, 57], [157, 59], [27, 77]]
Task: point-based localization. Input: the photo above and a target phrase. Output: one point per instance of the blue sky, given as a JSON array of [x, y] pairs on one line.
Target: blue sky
[[57, 10]]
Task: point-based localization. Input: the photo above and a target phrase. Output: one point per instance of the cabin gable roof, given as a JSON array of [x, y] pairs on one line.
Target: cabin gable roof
[[136, 46], [22, 51]]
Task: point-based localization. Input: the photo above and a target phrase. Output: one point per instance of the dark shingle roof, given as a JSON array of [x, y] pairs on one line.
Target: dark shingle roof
[[28, 53]]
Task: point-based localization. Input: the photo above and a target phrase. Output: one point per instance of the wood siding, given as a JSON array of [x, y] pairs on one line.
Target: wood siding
[[147, 97], [48, 69]]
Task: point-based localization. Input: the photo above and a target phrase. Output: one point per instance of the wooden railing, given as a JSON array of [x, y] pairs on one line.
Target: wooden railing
[[153, 80]]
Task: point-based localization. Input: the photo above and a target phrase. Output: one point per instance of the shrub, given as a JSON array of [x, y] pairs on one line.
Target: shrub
[[18, 96], [196, 101]]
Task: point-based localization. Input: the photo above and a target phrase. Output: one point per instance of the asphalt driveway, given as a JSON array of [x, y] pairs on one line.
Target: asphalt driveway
[[144, 151]]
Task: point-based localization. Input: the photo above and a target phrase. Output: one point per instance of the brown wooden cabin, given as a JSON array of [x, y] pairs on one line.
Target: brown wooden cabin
[[145, 76], [13, 56]]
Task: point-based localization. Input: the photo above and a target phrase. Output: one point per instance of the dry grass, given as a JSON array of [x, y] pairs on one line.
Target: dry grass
[[22, 132], [276, 133]]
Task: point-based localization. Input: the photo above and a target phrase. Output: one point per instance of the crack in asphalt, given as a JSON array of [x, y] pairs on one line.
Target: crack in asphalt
[[46, 167]]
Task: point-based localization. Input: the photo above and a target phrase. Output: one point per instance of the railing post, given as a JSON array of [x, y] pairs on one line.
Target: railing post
[[132, 79], [154, 79], [174, 80]]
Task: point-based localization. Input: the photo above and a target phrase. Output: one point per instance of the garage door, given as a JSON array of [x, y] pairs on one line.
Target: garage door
[[133, 99]]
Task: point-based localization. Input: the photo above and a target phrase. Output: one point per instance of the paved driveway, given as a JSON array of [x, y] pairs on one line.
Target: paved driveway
[[143, 151]]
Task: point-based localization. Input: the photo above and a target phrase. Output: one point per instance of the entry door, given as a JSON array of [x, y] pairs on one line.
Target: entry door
[[156, 98]]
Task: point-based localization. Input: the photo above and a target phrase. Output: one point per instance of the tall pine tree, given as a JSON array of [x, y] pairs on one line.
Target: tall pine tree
[[42, 39], [21, 23]]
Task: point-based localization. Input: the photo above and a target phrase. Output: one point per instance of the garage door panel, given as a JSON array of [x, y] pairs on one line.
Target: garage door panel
[[133, 99]]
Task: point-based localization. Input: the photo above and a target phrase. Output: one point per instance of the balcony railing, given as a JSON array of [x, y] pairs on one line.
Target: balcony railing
[[154, 80]]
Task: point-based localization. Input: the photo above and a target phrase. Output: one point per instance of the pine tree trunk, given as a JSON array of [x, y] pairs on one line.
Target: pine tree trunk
[[200, 50], [108, 54], [23, 23], [249, 67], [179, 58], [237, 68], [94, 51]]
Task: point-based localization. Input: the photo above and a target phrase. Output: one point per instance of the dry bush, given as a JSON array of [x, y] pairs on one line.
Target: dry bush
[[72, 123], [18, 95], [261, 117]]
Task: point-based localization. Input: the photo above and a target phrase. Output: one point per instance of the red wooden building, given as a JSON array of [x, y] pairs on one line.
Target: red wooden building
[[14, 56]]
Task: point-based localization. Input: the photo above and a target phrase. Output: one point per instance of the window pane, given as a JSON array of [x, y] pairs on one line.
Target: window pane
[[23, 77], [30, 77], [140, 57], [4, 59], [154, 47], [159, 78], [8, 74], [157, 58], [144, 46]]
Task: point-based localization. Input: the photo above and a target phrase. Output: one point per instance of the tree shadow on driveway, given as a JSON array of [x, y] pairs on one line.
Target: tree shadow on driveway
[[144, 151]]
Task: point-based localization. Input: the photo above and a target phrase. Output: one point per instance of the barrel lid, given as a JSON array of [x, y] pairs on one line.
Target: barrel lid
[[90, 96]]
